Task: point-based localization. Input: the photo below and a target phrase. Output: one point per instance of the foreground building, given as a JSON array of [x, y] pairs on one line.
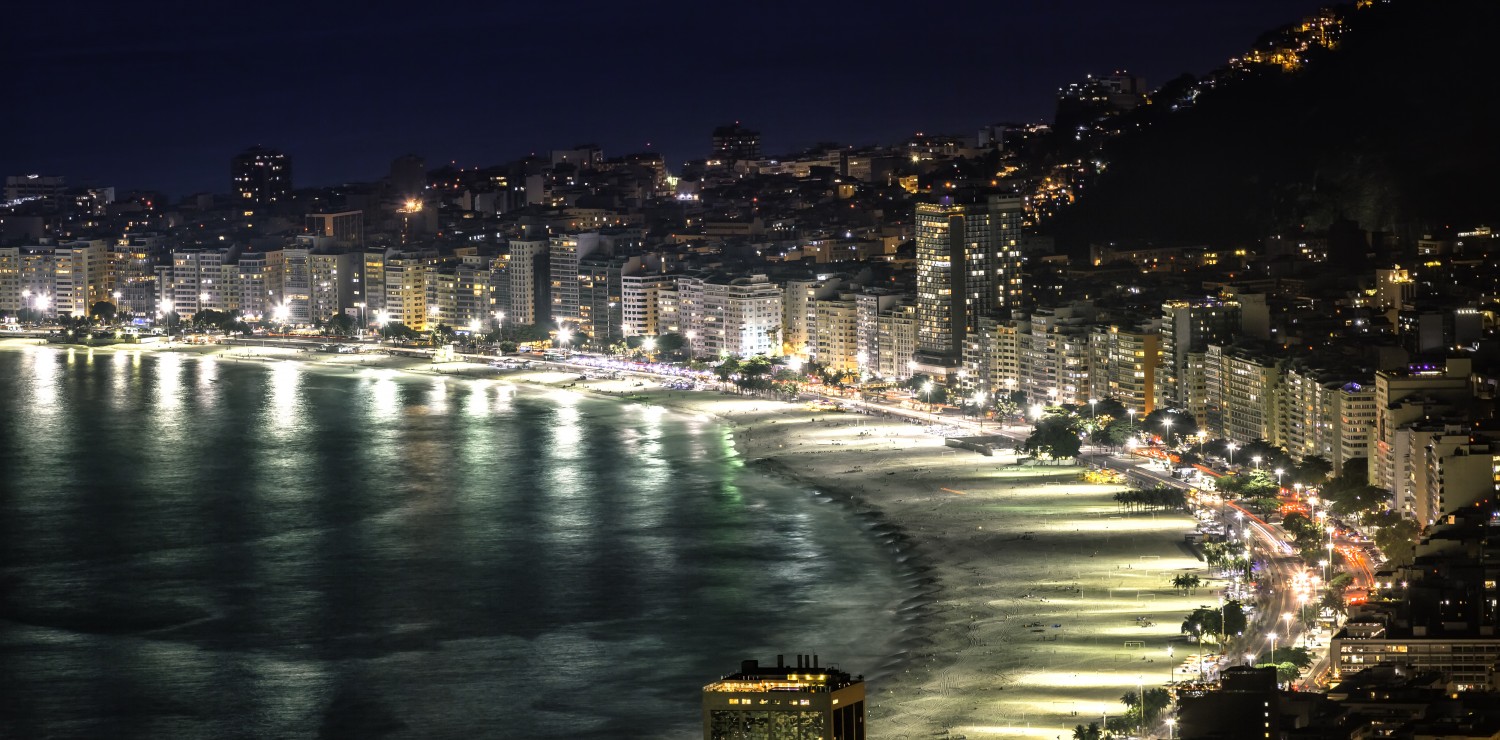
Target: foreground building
[[1439, 613], [782, 702]]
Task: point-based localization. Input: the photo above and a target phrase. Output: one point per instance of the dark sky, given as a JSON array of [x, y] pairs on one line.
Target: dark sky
[[161, 95]]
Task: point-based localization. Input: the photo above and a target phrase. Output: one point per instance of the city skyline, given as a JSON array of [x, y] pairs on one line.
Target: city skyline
[[344, 94]]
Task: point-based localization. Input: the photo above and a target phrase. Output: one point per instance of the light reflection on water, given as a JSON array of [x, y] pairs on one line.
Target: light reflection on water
[[225, 549]]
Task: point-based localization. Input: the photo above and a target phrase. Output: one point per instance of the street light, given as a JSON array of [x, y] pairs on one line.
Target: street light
[[1279, 471], [979, 406], [927, 391], [166, 312], [1093, 403], [1231, 447], [1256, 459], [1171, 667], [1171, 725], [1131, 413]]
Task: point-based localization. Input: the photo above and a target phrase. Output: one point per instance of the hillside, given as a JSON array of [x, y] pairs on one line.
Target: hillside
[[1392, 129]]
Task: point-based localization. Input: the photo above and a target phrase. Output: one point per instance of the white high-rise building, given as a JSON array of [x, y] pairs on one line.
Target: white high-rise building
[[739, 317]]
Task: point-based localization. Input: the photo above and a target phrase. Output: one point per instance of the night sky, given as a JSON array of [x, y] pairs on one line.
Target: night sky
[[161, 95]]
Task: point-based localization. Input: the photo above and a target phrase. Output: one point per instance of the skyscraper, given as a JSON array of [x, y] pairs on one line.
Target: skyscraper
[[968, 266], [783, 702], [261, 176]]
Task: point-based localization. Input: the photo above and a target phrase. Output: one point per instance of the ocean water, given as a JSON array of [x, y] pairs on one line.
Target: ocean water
[[203, 548]]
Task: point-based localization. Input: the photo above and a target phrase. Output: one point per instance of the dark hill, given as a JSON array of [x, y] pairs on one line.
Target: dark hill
[[1394, 129]]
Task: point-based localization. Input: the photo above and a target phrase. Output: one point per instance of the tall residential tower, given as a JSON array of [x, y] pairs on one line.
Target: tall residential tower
[[968, 267]]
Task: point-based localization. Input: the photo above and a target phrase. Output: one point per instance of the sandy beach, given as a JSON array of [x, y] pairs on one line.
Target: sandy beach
[[1036, 603]]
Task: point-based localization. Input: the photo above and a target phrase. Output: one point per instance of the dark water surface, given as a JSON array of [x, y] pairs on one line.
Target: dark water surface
[[199, 548]]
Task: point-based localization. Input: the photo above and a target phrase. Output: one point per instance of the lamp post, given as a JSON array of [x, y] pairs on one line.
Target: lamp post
[[166, 312], [1231, 447], [1131, 414], [1198, 630], [979, 406], [1256, 459], [1279, 471], [1140, 707], [1093, 404], [1171, 667], [927, 392], [1286, 621], [361, 306], [1171, 725]]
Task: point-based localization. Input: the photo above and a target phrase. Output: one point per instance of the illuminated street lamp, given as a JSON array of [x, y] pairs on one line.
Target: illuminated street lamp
[[1256, 459], [1231, 447], [1171, 725], [499, 320], [1093, 404], [166, 312], [1131, 413], [1279, 471], [979, 406], [927, 391]]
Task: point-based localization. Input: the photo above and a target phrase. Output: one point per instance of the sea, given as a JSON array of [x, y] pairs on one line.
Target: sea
[[199, 547]]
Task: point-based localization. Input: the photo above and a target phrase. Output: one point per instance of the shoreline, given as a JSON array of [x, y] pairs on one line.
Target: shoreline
[[1032, 604]]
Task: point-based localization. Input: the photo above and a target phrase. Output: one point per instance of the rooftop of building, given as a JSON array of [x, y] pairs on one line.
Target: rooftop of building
[[807, 676]]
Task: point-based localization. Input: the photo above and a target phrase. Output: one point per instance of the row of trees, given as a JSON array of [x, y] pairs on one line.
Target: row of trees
[[1158, 498], [1209, 623], [1141, 711]]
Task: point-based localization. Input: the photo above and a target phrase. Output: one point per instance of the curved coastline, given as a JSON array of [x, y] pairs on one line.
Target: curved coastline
[[1013, 623]]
